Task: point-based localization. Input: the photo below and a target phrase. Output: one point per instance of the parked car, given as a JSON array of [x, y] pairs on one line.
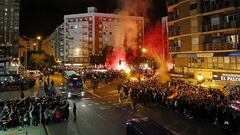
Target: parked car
[[34, 73]]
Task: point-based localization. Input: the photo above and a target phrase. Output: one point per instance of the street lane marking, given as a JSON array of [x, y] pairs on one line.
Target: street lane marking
[[101, 117], [85, 98], [130, 112]]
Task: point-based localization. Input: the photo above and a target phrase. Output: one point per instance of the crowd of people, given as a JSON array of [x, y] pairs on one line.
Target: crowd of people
[[32, 111], [104, 77], [206, 104]]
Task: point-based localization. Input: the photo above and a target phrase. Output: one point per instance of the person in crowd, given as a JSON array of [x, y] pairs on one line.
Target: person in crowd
[[74, 111], [194, 102], [52, 83], [48, 80], [30, 111]]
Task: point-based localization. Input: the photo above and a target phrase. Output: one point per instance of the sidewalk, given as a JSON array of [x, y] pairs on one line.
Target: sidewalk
[[38, 130]]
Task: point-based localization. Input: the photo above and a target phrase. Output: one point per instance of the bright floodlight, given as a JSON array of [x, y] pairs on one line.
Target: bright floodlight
[[144, 50], [77, 49], [199, 77], [128, 70], [146, 65]]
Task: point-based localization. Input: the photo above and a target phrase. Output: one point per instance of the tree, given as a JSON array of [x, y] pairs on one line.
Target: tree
[[39, 60]]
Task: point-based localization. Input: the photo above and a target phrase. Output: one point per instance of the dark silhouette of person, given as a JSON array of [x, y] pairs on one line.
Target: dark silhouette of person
[[74, 111], [22, 89], [48, 80], [52, 83]]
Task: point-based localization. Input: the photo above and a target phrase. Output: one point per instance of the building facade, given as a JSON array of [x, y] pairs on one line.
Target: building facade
[[47, 45], [58, 42], [26, 44], [204, 38], [9, 32], [89, 33], [9, 20]]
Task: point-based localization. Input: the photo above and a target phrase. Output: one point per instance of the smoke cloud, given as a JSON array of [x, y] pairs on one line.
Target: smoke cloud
[[154, 38]]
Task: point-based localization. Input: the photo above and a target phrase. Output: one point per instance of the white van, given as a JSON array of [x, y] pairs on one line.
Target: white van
[[34, 73]]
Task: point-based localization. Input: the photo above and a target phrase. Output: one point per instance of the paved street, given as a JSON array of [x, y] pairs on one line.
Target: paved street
[[100, 113], [103, 115], [38, 130]]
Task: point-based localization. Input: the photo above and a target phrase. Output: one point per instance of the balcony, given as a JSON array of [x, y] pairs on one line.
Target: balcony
[[174, 49], [173, 17], [173, 33], [172, 2], [220, 46], [223, 25], [207, 7]]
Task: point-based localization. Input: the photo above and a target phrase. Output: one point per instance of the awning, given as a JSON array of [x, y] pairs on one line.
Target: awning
[[234, 54], [220, 54], [186, 55], [229, 54]]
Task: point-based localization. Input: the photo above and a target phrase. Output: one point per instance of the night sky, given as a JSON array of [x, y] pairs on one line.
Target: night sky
[[41, 17]]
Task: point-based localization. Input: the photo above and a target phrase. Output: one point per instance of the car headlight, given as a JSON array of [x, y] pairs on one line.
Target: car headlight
[[69, 94]]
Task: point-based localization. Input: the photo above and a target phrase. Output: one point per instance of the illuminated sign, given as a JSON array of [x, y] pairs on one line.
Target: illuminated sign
[[226, 76]]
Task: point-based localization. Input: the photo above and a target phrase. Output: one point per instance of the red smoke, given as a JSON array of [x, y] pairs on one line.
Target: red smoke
[[114, 56], [156, 41]]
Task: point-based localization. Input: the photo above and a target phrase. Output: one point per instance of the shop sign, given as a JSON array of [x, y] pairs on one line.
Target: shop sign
[[226, 76], [205, 55]]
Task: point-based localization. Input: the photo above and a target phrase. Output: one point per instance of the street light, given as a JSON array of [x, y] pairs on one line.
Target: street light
[[39, 37], [144, 50]]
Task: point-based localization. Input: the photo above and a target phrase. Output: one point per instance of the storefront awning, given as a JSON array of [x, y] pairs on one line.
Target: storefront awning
[[221, 54], [229, 54], [186, 55], [234, 54]]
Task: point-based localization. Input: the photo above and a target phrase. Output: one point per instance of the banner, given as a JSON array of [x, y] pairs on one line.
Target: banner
[[235, 77]]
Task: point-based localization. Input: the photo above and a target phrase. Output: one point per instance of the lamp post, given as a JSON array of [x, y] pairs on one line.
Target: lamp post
[[39, 39], [143, 51], [200, 79]]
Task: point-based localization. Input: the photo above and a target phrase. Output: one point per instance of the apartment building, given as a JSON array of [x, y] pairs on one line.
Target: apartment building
[[47, 45], [9, 20], [58, 42], [89, 33], [204, 38], [9, 32]]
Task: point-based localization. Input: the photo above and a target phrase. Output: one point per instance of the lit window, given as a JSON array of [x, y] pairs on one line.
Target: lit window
[[195, 41]]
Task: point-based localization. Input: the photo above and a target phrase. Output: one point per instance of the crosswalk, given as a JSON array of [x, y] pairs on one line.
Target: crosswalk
[[102, 105]]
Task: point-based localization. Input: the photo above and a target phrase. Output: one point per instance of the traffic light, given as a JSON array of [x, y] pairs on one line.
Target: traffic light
[[120, 62]]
